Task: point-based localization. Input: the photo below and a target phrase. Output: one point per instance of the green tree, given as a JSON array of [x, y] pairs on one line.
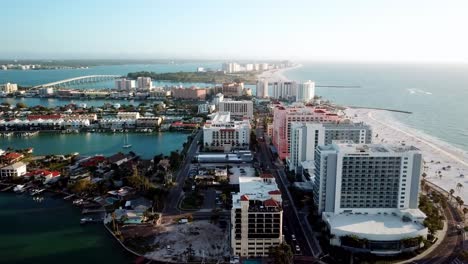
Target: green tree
[[281, 254], [21, 105]]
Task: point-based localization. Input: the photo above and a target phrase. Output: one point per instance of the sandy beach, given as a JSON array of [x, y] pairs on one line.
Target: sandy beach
[[451, 162], [276, 74]]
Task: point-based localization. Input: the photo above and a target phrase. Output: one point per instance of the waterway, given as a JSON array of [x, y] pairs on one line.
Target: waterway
[[144, 144], [48, 231]]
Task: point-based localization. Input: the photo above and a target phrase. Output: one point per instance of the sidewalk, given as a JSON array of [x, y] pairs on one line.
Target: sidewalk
[[440, 236]]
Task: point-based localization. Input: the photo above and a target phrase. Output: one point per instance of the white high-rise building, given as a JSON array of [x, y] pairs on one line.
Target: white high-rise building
[[124, 84], [9, 88], [249, 67], [305, 92], [144, 83], [370, 193], [305, 137], [283, 90], [262, 88], [239, 109], [221, 133], [256, 216]]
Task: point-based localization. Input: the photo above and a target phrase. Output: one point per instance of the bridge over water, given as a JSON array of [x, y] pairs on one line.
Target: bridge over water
[[79, 80]]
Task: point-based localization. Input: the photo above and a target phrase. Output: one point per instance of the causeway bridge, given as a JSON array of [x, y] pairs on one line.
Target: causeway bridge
[[79, 80]]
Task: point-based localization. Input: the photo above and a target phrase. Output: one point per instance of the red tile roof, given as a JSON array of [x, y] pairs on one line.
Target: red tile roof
[[35, 117], [275, 192], [270, 203], [244, 198], [13, 156], [267, 175]]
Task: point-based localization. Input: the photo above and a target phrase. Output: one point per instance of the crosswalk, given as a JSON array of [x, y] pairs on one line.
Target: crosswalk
[[457, 261]]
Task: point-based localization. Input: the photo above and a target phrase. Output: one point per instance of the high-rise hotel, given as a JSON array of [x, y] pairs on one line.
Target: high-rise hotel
[[368, 196]]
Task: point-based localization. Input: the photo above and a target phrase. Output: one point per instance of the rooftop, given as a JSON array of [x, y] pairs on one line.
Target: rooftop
[[255, 188], [14, 166], [348, 147], [379, 227]]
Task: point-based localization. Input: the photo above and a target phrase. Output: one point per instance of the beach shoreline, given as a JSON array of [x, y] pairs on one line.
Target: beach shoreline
[[438, 155], [277, 75]]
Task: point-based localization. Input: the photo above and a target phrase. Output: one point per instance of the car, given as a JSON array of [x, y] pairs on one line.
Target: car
[[293, 237], [298, 249]]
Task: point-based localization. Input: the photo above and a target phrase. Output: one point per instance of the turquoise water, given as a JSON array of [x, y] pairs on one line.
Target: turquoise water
[[145, 145], [436, 94], [49, 232]]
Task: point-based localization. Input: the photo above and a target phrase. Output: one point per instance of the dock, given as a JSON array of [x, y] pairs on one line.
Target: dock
[[91, 211], [69, 197], [7, 188]]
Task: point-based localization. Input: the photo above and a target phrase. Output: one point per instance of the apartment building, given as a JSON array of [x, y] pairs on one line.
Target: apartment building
[[221, 133], [305, 137], [238, 109], [192, 93], [256, 216]]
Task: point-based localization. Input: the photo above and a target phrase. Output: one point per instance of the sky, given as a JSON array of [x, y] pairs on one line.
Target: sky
[[343, 30]]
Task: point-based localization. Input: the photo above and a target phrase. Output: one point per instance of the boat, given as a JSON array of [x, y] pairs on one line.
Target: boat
[[19, 188], [86, 220], [78, 202], [36, 191], [126, 144]]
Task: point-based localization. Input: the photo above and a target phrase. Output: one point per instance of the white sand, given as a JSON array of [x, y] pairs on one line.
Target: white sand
[[436, 153], [276, 74]]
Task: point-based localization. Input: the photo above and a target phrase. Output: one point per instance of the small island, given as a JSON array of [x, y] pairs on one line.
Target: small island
[[198, 77]]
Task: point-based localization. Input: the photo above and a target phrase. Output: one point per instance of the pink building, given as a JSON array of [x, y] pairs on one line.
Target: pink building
[[283, 116], [191, 93]]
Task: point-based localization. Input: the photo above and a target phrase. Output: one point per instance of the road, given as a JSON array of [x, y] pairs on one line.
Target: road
[[452, 243], [293, 222], [170, 206]]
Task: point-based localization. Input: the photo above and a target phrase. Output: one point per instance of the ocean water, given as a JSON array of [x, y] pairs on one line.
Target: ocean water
[[436, 94]]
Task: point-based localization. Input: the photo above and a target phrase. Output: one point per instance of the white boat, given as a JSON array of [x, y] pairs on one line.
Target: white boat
[[19, 188], [86, 220], [78, 202], [126, 144]]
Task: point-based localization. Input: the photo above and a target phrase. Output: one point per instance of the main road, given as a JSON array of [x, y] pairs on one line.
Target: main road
[[451, 245], [294, 223], [172, 200]]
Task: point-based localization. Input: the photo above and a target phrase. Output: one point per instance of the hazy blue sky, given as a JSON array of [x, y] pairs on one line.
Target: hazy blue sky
[[407, 30]]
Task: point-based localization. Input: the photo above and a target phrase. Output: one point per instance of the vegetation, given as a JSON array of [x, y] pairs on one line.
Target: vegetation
[[434, 218], [198, 77], [281, 254], [192, 201]]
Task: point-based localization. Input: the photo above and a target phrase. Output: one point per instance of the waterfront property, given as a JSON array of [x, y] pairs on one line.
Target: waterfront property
[[17, 169], [368, 196], [284, 116], [256, 216], [306, 136]]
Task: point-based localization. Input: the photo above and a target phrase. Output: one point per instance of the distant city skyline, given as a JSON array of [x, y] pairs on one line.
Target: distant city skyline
[[409, 31]]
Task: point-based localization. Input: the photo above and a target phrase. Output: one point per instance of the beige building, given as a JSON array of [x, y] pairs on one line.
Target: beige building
[[220, 133], [256, 216], [9, 88], [128, 115], [238, 109]]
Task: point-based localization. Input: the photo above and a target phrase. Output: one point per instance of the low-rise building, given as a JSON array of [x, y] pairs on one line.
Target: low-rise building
[[192, 93], [256, 216], [17, 169], [148, 122], [128, 115]]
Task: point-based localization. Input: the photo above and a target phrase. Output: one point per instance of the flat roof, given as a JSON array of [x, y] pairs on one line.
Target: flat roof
[[256, 188], [373, 226]]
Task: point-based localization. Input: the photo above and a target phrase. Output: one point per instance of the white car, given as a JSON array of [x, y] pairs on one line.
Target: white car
[[298, 249], [293, 237]]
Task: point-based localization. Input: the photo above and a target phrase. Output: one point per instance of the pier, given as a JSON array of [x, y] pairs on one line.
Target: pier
[[378, 108]]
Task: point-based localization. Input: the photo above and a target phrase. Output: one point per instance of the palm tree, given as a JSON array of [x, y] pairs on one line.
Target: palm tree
[[424, 175], [461, 203], [459, 186], [465, 211], [281, 254], [452, 191]]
